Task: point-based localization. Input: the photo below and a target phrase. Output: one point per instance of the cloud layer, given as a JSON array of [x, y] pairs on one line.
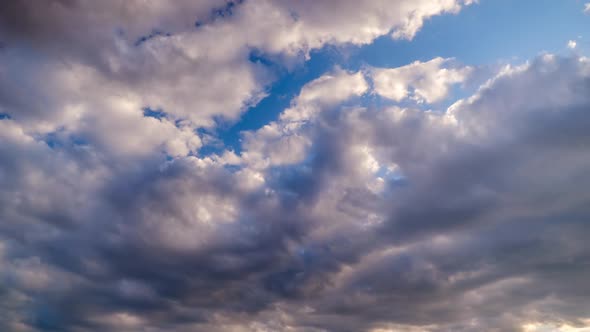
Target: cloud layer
[[362, 207]]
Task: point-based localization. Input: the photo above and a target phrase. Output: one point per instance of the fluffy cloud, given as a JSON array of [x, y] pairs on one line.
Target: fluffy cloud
[[156, 56], [341, 215], [421, 81], [283, 142], [412, 220]]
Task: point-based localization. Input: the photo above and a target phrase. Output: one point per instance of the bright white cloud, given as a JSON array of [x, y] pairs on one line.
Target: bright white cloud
[[420, 81], [572, 44]]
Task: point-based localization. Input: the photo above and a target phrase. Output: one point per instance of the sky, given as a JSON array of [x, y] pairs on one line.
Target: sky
[[301, 166]]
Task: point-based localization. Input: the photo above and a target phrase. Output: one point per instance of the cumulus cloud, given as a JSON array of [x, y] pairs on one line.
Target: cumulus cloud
[[177, 57], [340, 215], [587, 8], [421, 81], [283, 142], [412, 220]]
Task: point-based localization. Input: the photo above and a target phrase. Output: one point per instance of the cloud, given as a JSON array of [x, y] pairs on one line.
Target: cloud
[[421, 81], [476, 194], [587, 8], [343, 214], [282, 142], [395, 218], [186, 70], [572, 44], [456, 231]]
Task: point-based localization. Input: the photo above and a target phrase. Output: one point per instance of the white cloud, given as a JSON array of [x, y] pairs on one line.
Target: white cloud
[[76, 100], [284, 141], [587, 8], [349, 21], [94, 86], [332, 89], [420, 81], [192, 73], [572, 44]]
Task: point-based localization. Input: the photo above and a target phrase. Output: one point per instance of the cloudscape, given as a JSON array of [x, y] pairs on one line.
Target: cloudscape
[[294, 165]]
